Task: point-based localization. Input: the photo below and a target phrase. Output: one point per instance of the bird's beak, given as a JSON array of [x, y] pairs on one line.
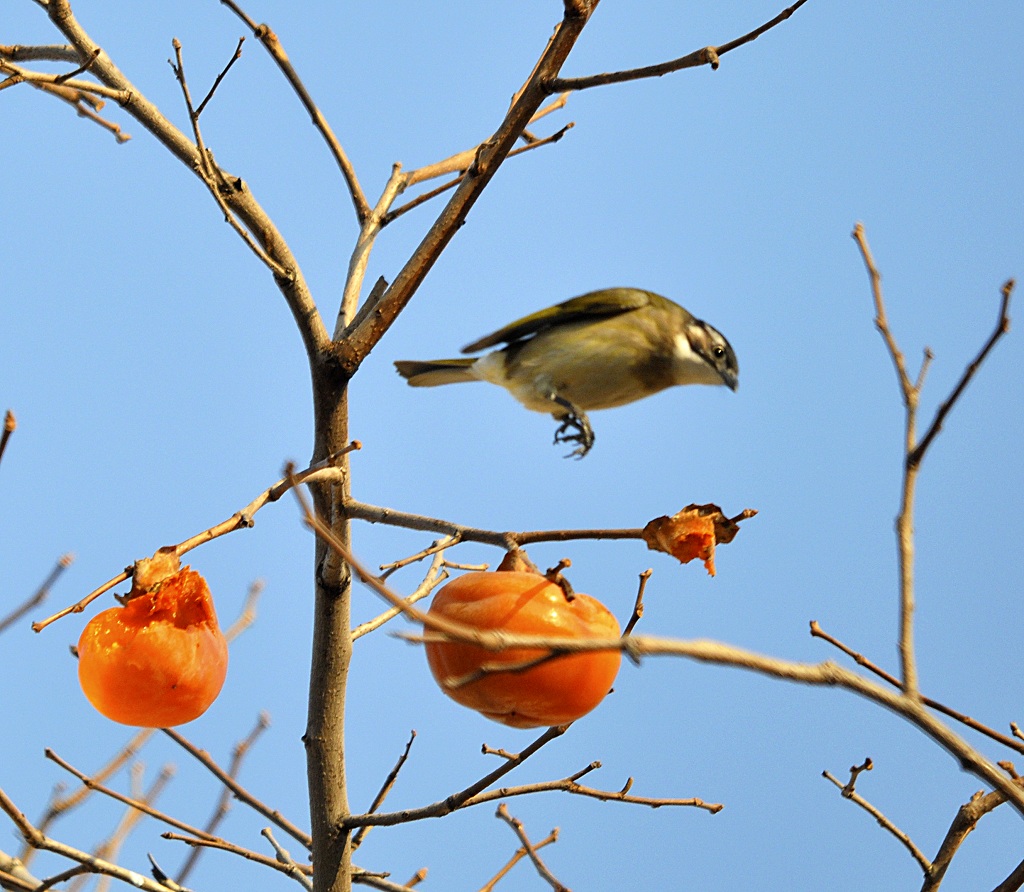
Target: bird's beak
[[730, 380]]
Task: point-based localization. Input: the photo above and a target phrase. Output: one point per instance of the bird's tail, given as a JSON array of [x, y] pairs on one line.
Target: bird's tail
[[433, 372]]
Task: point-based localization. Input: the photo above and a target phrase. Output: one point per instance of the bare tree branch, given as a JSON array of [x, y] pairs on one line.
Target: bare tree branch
[[849, 793], [367, 329], [1002, 327], [238, 790], [914, 450], [240, 520], [143, 807], [708, 55], [829, 674], [378, 800], [235, 193], [291, 868], [964, 822], [382, 214], [53, 53], [518, 856], [905, 518], [220, 811], [39, 840], [456, 800], [270, 41], [1014, 881], [531, 850], [63, 562], [1014, 743], [506, 539]]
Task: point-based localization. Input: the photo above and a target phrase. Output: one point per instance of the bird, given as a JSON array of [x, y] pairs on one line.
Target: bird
[[600, 350]]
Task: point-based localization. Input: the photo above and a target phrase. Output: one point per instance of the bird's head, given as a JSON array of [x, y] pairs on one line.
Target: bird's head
[[704, 356]]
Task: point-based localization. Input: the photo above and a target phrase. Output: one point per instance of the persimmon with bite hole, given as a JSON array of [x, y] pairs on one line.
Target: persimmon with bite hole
[[554, 692], [160, 660]]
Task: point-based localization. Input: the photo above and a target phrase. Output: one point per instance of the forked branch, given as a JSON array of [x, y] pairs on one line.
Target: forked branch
[[236, 196], [362, 335], [914, 450]]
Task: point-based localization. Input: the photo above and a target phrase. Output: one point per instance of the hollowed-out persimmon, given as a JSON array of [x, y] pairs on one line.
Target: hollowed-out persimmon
[[160, 660], [554, 692]]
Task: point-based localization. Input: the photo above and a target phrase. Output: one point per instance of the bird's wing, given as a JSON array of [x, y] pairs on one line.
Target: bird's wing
[[595, 305]]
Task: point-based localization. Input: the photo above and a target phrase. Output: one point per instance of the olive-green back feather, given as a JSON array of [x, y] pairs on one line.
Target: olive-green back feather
[[595, 305]]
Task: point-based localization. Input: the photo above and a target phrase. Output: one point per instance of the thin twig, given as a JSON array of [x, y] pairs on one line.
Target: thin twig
[[508, 539], [238, 790], [44, 80], [61, 877], [456, 800], [638, 606], [1014, 881], [915, 450], [518, 856], [295, 871], [861, 660], [220, 811], [216, 83], [370, 225], [570, 785], [531, 850], [242, 519], [849, 793], [247, 615], [85, 66], [439, 545], [211, 174], [1002, 327], [708, 55], [138, 805], [416, 878], [270, 42], [386, 787], [38, 840], [965, 820], [435, 576], [63, 562], [905, 518], [287, 869], [467, 157]]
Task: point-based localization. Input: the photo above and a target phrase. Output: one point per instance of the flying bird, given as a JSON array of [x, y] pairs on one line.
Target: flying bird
[[596, 351]]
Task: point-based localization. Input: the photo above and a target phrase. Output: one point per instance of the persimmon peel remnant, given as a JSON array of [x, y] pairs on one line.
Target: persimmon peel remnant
[[160, 660], [693, 533]]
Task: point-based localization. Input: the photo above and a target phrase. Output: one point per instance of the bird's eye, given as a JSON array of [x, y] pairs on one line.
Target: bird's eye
[[719, 352]]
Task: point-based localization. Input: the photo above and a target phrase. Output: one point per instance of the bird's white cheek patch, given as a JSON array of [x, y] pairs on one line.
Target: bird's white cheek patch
[[684, 351]]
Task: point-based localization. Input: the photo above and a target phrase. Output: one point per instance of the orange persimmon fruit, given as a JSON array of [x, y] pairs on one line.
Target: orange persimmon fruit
[[160, 660], [554, 692]]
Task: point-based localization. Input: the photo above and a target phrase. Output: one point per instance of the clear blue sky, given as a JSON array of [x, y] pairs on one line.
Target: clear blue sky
[[159, 386]]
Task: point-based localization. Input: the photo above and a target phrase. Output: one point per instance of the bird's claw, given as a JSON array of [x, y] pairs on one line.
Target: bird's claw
[[582, 434]]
